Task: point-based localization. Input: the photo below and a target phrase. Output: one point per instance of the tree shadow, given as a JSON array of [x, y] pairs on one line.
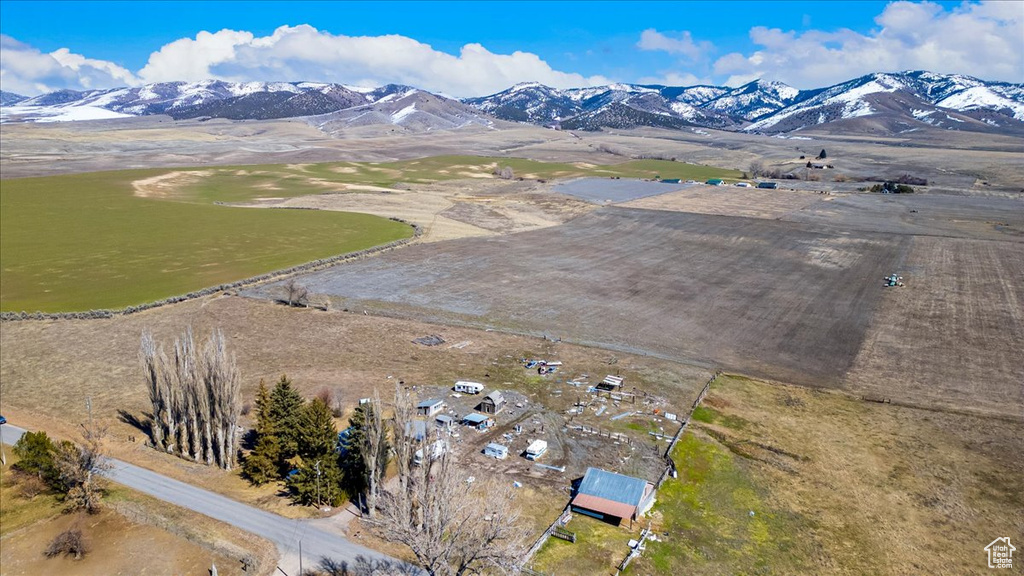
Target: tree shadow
[[141, 424], [363, 566]]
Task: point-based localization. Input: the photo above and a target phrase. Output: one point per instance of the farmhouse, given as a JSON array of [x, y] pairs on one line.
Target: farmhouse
[[612, 497], [536, 449], [469, 387], [495, 450], [492, 403], [478, 421], [430, 407]]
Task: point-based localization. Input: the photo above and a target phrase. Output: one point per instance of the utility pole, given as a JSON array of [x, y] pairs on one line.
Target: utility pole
[[317, 468]]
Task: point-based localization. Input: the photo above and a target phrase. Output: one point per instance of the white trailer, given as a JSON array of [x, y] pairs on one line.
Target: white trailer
[[536, 449], [467, 387]]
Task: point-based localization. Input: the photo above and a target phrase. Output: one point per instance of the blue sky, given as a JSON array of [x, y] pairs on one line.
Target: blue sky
[[806, 44]]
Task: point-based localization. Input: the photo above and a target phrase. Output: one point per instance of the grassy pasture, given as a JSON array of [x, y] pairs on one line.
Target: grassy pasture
[[86, 241]]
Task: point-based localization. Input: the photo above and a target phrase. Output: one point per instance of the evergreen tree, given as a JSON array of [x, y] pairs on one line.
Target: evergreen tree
[[263, 464], [822, 155], [317, 478], [35, 452], [317, 436], [262, 407], [283, 416]]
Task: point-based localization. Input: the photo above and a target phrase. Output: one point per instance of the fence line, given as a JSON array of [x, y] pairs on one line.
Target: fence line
[[562, 520]]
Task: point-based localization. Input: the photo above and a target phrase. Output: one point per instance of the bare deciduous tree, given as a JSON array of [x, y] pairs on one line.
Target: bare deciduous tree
[[757, 168], [454, 528], [196, 398], [81, 467], [375, 438], [296, 294]]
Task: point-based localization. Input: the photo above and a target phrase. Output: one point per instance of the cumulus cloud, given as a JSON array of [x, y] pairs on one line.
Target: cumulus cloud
[[684, 45], [26, 70], [980, 39], [290, 53], [305, 53]]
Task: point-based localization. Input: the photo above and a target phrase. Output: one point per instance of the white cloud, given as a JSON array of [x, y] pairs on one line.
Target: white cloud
[[290, 53], [305, 53], [675, 79], [684, 45], [980, 39], [26, 70]]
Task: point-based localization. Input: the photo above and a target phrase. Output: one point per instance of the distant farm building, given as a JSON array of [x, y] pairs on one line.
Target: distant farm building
[[495, 450], [536, 449], [430, 407], [715, 182], [478, 421], [444, 422], [492, 403], [469, 387], [611, 497], [768, 185]]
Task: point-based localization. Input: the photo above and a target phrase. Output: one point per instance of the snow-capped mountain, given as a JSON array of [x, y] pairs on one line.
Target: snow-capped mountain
[[612, 106], [876, 103], [756, 99], [10, 98], [902, 101]]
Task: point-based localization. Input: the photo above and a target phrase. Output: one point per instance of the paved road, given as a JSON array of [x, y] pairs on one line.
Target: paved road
[[284, 532]]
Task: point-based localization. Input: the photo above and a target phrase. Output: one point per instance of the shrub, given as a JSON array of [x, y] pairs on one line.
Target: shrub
[[68, 543]]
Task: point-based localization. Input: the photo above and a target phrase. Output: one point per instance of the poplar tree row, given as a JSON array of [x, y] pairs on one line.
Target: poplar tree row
[[196, 398]]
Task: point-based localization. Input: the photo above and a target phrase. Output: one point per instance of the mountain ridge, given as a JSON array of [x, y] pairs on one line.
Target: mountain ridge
[[897, 102]]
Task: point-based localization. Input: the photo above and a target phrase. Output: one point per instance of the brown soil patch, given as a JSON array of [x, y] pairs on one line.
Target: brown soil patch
[[166, 185], [118, 546]]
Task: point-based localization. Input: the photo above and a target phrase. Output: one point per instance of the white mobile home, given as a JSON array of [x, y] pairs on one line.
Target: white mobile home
[[536, 449], [495, 450], [469, 387]]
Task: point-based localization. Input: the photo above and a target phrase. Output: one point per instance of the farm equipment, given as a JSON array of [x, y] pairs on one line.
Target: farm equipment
[[893, 281]]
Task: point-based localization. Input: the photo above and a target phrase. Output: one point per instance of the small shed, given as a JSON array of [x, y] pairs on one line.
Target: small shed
[[492, 403], [612, 497], [715, 182], [611, 382], [430, 407], [536, 449], [444, 421], [768, 185], [467, 387], [495, 450], [478, 421]]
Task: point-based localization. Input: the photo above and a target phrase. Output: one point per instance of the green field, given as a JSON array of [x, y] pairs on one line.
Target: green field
[[86, 241]]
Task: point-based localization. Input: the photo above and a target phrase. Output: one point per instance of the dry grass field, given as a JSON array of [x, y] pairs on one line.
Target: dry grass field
[[122, 538], [837, 486], [782, 285], [782, 300]]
